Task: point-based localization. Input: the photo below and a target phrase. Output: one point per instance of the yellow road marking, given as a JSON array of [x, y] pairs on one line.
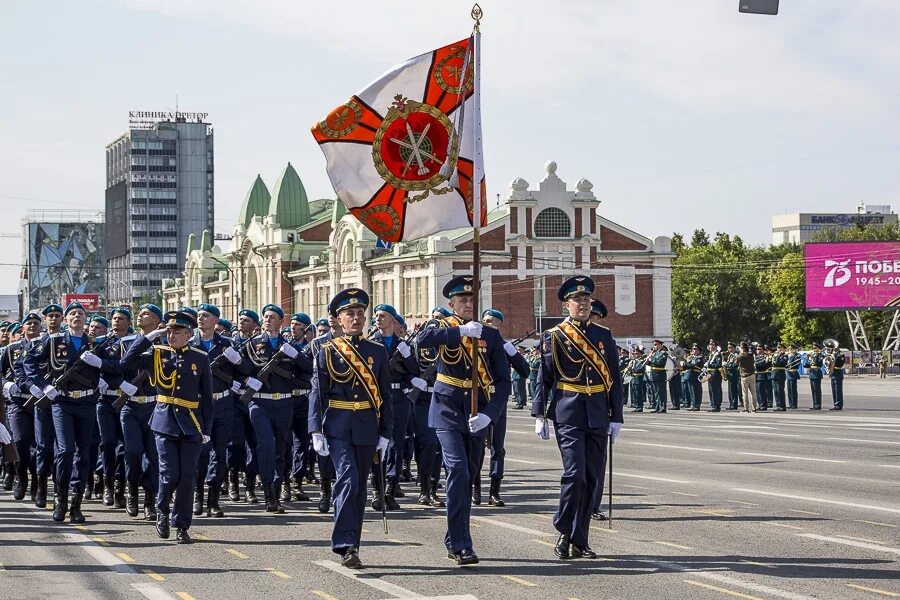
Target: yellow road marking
[[874, 523], [544, 542], [184, 596], [153, 576], [364, 530], [803, 512], [201, 537], [741, 502], [124, 557], [671, 545], [783, 525], [874, 590], [323, 595], [1, 568], [548, 517], [524, 582], [100, 541], [80, 527], [757, 564], [847, 537], [278, 573], [636, 487], [236, 553], [718, 589], [722, 512]]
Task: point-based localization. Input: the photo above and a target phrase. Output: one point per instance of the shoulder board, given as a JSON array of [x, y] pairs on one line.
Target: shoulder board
[[55, 335], [128, 338], [196, 349], [376, 342], [602, 326], [552, 330]]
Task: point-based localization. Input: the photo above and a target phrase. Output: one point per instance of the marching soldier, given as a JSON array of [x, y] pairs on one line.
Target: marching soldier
[[241, 451], [577, 390], [73, 407], [733, 375], [301, 334], [624, 362], [837, 377], [182, 414], [656, 375], [222, 360], [692, 392], [427, 446], [458, 431], [326, 466], [714, 369], [534, 365], [813, 363], [112, 439], [44, 431], [761, 367], [350, 416], [792, 372], [779, 376], [636, 369]]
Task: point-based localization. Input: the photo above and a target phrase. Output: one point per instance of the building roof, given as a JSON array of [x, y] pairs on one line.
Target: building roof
[[289, 205], [256, 203]]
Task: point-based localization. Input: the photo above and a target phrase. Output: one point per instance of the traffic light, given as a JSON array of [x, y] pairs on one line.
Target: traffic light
[[758, 7]]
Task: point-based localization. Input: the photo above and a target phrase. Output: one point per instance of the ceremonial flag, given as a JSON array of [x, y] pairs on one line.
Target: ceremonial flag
[[402, 153]]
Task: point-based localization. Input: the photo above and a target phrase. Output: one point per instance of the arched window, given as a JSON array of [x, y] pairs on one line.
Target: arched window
[[552, 223]]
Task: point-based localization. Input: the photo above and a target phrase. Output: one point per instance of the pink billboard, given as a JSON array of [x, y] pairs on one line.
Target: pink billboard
[[852, 275]]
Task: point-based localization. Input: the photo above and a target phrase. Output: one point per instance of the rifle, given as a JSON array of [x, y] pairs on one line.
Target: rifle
[[137, 382], [263, 375], [396, 363], [62, 382], [518, 341]]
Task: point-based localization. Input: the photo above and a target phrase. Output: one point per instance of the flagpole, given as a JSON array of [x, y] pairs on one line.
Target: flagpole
[[477, 176]]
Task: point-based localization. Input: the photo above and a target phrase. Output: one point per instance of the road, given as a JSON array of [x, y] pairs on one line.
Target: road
[[790, 505]]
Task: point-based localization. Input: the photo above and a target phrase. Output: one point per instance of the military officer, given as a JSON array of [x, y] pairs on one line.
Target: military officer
[[656, 376], [241, 452], [73, 406], [732, 373], [636, 369], [837, 377], [793, 374], [578, 390], [813, 363], [323, 326], [458, 430], [692, 391], [779, 376], [351, 416], [762, 367]]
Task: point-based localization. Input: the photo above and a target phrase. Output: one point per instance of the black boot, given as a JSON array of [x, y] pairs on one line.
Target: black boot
[[435, 499], [120, 493], [562, 547], [424, 492], [60, 505], [233, 483], [494, 495], [286, 490], [98, 486], [299, 494], [376, 499], [162, 526], [396, 491], [271, 497], [149, 506], [40, 498], [389, 502], [406, 473], [34, 486], [212, 503], [198, 500], [108, 499], [325, 498], [251, 490], [131, 499], [21, 481], [8, 477], [476, 490], [75, 515], [89, 486]]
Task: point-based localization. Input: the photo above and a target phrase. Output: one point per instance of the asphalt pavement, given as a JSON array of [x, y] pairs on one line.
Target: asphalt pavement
[[796, 505]]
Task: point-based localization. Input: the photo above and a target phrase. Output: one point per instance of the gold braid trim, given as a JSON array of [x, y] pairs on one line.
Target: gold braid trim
[[159, 378], [555, 347], [337, 376]]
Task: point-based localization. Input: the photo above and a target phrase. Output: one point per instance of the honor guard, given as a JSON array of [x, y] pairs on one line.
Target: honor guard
[[578, 390], [459, 432], [656, 376], [692, 391], [73, 405], [271, 363], [182, 414], [241, 451], [223, 359], [351, 416], [636, 369], [326, 467], [713, 366], [793, 374], [298, 459], [733, 376], [762, 367], [837, 375], [813, 363], [779, 376], [44, 431]]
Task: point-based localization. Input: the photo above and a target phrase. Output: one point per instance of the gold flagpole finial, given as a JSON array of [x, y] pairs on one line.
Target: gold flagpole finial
[[477, 14]]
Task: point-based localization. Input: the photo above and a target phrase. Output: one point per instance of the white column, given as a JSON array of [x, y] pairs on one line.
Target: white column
[[662, 298]]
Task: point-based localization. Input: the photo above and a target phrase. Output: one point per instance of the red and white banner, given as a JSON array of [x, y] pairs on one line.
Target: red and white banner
[[90, 302]]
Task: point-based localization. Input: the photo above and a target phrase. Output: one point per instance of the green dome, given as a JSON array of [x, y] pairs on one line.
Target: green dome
[[256, 203], [289, 204]]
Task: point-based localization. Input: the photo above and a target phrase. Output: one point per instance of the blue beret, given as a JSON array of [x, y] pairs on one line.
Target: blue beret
[[302, 317], [274, 308], [442, 310], [99, 319], [154, 309], [599, 309], [349, 298], [494, 313], [249, 313], [180, 318], [211, 309], [579, 284], [123, 310], [32, 316], [322, 322], [459, 286], [401, 320], [73, 306], [225, 323], [13, 328], [4, 324], [188, 310], [51, 308], [388, 309]]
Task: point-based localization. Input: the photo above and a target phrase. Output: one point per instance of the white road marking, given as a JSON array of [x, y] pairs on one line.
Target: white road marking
[[373, 582], [846, 542], [895, 511], [524, 462], [649, 478], [890, 466], [838, 439], [672, 447], [506, 525], [151, 592], [826, 460]]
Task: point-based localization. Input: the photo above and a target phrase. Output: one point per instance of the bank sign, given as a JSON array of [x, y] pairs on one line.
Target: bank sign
[[852, 275]]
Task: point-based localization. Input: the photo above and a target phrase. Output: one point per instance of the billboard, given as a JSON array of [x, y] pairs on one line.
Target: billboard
[[63, 258], [852, 275], [90, 302]]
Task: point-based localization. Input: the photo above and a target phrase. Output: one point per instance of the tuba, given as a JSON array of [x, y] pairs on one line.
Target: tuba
[[831, 346]]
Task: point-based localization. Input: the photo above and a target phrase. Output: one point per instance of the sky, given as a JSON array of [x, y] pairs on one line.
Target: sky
[[682, 114]]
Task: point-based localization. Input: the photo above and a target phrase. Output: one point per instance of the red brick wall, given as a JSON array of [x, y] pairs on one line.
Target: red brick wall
[[611, 240], [577, 223], [514, 219], [528, 222], [593, 220], [319, 233], [492, 240], [640, 322], [577, 257], [528, 259]]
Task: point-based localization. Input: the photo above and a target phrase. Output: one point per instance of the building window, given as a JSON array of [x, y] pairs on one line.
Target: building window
[[552, 223]]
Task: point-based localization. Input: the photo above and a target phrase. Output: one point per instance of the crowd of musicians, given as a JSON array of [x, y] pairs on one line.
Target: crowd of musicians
[[163, 415]]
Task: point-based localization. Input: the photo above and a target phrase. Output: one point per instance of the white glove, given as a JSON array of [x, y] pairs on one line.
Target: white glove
[[10, 388], [205, 439], [288, 350], [613, 431], [233, 356], [51, 392], [5, 438], [254, 384], [381, 448], [320, 445], [542, 428], [35, 391], [235, 386], [91, 359], [471, 329], [102, 386], [479, 422], [403, 349], [154, 334], [510, 349], [419, 383], [128, 388]]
